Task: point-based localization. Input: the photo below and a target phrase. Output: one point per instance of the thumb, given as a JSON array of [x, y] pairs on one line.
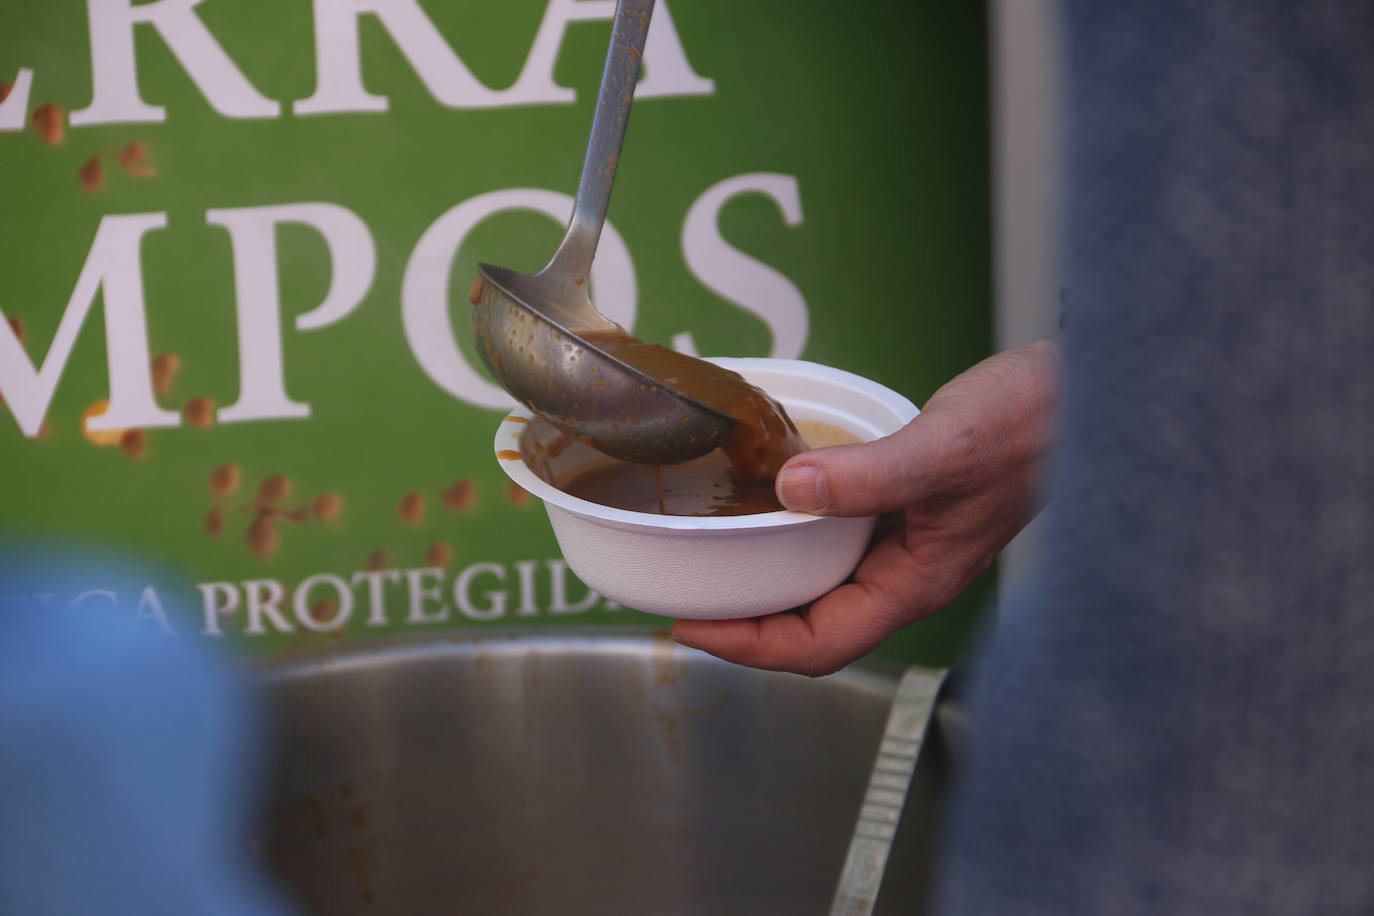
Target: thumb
[[874, 477]]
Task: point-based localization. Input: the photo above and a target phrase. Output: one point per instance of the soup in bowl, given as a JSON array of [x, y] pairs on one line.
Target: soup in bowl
[[685, 541]]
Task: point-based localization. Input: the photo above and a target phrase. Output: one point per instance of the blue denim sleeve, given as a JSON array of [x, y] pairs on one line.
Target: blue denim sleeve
[[1177, 715]]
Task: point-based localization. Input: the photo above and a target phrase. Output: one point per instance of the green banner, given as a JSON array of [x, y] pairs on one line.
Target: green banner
[[237, 239]]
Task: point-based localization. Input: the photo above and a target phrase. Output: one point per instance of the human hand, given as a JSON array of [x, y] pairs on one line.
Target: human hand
[[964, 474]]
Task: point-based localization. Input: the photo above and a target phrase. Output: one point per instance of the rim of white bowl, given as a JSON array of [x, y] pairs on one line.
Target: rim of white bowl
[[508, 439]]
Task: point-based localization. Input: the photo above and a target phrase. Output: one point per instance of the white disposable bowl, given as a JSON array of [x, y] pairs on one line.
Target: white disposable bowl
[[716, 567]]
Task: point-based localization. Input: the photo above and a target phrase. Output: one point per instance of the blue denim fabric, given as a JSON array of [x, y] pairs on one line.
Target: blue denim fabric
[[127, 757], [1177, 715]]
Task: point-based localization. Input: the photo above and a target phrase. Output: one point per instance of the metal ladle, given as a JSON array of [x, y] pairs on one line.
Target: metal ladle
[[529, 329]]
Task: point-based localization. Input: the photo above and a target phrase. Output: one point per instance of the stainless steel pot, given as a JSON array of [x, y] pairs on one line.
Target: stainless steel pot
[[579, 772]]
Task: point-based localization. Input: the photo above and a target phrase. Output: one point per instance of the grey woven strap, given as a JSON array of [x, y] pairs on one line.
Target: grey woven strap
[[887, 788]]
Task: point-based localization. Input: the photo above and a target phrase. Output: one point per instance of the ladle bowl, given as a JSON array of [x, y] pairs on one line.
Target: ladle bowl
[[605, 403]]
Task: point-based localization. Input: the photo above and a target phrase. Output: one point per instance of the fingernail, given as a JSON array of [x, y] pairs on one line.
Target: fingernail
[[802, 488]]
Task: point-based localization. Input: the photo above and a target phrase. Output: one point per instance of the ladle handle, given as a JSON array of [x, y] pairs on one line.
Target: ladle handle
[[574, 255], [913, 709]]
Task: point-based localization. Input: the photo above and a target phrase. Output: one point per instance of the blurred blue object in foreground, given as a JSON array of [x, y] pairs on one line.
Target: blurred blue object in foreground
[[127, 757], [1176, 713]]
